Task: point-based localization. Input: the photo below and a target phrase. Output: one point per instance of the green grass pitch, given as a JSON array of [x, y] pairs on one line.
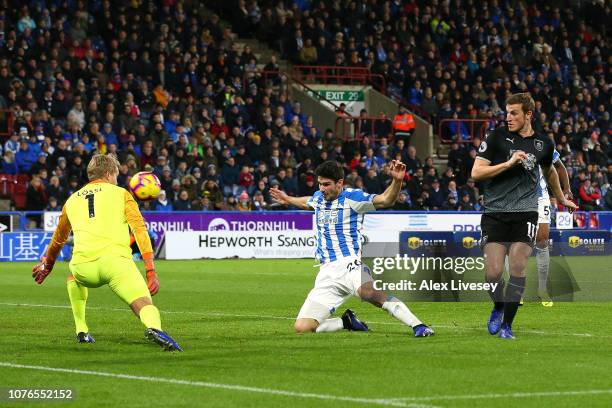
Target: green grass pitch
[[234, 319]]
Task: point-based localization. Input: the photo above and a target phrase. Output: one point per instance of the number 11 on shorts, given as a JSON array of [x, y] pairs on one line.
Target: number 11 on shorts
[[531, 230]]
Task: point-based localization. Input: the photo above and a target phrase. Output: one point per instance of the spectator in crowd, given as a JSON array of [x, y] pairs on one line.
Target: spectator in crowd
[[437, 196], [259, 202], [372, 182], [589, 196], [12, 144], [471, 189], [213, 193], [403, 202], [189, 184], [246, 179], [182, 203], [36, 197], [53, 205], [416, 184], [244, 202], [25, 157], [230, 177], [608, 200], [404, 125], [162, 204], [413, 163], [230, 204], [9, 164], [450, 204], [466, 204]]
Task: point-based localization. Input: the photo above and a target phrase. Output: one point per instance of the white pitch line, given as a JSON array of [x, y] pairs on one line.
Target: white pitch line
[[505, 395], [117, 309], [233, 387], [257, 316]]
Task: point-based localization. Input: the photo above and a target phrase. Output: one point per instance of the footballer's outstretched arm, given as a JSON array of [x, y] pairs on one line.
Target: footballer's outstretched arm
[[552, 178], [563, 178], [139, 228], [389, 196], [283, 198], [483, 170], [59, 238]]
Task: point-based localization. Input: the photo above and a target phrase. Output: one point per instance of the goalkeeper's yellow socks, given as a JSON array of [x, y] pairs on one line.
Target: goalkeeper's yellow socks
[[78, 299], [149, 316]]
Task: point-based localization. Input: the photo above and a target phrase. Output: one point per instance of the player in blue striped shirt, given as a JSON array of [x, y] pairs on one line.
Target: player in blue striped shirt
[[339, 217], [544, 211]]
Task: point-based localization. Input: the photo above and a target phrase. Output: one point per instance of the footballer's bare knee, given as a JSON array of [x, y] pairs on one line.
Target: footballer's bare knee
[[305, 325], [494, 269], [139, 303], [495, 254], [518, 258]]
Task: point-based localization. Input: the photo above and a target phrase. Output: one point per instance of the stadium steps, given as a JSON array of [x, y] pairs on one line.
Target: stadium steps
[[442, 151], [262, 52], [440, 164], [260, 49]]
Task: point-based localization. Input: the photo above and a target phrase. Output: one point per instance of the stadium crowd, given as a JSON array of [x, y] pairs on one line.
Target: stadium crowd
[[160, 84]]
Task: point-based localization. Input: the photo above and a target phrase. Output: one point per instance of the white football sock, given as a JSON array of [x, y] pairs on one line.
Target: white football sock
[[330, 325], [400, 311], [543, 263]]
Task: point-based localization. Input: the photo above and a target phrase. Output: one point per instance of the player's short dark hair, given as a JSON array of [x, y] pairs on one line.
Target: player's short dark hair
[[330, 169], [524, 99]]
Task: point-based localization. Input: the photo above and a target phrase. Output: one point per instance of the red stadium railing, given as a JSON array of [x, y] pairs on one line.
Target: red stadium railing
[[277, 78], [328, 74], [321, 96], [414, 109], [461, 130], [355, 129], [264, 78]]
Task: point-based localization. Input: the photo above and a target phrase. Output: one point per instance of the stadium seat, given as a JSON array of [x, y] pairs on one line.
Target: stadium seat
[[23, 178], [19, 196]]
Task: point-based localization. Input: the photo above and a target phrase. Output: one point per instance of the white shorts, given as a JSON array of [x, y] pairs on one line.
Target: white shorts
[[335, 283], [544, 210]]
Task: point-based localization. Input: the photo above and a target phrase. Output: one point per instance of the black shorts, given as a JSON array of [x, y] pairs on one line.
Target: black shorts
[[506, 227]]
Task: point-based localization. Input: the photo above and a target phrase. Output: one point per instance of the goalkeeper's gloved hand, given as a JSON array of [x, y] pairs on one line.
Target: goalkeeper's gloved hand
[[152, 280], [42, 270]]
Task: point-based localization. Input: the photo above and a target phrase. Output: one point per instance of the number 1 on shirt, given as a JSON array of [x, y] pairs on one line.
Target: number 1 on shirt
[[90, 200]]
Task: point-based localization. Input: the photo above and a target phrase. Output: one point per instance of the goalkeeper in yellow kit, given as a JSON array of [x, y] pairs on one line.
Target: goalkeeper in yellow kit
[[99, 215]]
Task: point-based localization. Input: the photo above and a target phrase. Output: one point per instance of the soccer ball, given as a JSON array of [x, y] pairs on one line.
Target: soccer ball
[[145, 185]]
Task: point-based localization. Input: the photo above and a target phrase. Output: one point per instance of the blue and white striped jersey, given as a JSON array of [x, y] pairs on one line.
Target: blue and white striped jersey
[[542, 185], [339, 223]]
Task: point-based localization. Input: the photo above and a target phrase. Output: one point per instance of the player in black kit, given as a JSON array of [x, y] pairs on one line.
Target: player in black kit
[[509, 159]]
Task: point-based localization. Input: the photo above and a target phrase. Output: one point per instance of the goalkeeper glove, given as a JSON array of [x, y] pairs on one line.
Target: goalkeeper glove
[[152, 280], [42, 270]]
